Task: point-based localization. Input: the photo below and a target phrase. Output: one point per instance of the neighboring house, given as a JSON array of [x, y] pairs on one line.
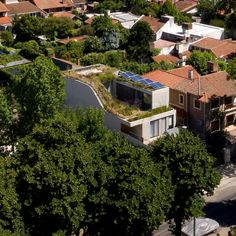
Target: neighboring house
[[203, 103], [126, 19], [187, 6], [23, 8], [5, 20], [81, 5], [170, 37], [136, 107], [225, 49], [51, 6]]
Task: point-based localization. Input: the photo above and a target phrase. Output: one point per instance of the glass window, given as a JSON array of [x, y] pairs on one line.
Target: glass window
[[228, 100], [154, 128], [170, 122], [196, 104]]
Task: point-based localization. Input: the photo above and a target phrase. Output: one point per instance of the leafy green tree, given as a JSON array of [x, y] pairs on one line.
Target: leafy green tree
[[230, 24], [168, 9], [7, 38], [206, 9], [29, 49], [58, 27], [55, 170], [185, 158], [231, 69], [40, 91], [138, 43], [11, 222], [199, 60], [92, 44], [112, 5], [27, 27]]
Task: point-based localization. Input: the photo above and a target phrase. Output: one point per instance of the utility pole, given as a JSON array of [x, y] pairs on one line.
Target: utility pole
[[194, 226]]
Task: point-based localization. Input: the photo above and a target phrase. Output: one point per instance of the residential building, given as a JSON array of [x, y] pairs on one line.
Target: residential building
[[5, 20], [203, 103], [136, 107], [223, 49], [170, 37], [126, 19], [23, 8], [51, 6], [187, 6]]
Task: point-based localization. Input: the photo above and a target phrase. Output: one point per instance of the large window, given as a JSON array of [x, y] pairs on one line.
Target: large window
[[170, 122], [196, 104]]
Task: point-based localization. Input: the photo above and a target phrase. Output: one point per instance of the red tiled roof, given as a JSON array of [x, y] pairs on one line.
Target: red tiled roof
[[215, 84], [186, 5], [48, 4], [3, 8], [220, 48], [168, 58], [72, 39], [22, 8], [5, 20], [154, 23]]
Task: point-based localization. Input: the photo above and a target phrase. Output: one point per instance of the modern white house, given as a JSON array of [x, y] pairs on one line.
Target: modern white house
[[134, 106]]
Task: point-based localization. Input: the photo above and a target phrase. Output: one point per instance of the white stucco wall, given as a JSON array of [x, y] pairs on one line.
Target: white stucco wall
[[160, 97]]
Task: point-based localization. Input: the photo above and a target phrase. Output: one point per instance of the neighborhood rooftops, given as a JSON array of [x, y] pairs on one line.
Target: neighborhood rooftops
[[48, 4], [25, 7], [220, 48], [187, 80], [155, 24], [186, 5]]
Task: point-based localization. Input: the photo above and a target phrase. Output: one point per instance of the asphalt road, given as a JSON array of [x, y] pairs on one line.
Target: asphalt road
[[220, 207]]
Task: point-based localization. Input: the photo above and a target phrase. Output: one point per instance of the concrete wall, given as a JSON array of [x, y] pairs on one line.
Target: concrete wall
[[81, 94], [160, 97]]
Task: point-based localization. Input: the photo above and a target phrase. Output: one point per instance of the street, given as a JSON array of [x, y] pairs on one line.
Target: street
[[221, 206]]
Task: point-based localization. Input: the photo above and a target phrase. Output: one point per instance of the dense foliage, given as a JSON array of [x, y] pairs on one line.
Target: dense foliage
[[185, 158]]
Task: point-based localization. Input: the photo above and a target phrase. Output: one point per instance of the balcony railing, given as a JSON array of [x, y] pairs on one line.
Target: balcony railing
[[230, 106]]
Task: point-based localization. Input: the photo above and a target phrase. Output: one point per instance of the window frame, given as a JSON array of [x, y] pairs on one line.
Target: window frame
[[218, 123], [194, 100]]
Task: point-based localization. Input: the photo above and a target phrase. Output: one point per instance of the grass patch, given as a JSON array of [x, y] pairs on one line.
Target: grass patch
[[151, 113], [5, 58]]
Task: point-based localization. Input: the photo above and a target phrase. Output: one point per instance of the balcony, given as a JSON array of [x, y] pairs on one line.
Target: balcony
[[230, 107]]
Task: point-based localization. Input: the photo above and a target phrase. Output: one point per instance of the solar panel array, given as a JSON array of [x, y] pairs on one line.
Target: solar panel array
[[136, 78]]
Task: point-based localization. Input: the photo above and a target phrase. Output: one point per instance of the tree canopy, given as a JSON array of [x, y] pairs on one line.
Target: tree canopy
[[192, 172], [231, 69]]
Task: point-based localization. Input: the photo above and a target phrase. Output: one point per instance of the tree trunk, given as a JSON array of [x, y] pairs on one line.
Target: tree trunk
[[178, 225]]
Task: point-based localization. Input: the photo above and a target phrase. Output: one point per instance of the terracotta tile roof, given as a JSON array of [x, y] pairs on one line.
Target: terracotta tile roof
[[168, 58], [48, 4], [64, 14], [154, 23], [186, 5], [215, 84], [220, 48], [22, 8], [5, 20], [3, 8], [67, 40], [183, 71], [161, 43]]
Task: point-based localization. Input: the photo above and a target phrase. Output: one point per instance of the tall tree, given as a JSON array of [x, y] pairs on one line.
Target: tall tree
[[40, 90], [27, 27], [11, 222], [138, 42], [192, 174]]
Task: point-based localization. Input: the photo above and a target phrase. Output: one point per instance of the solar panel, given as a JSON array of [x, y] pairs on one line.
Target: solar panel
[[136, 78], [146, 81], [129, 73], [157, 85]]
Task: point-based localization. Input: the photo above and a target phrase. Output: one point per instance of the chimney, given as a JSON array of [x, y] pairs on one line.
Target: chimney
[[212, 66], [190, 74]]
